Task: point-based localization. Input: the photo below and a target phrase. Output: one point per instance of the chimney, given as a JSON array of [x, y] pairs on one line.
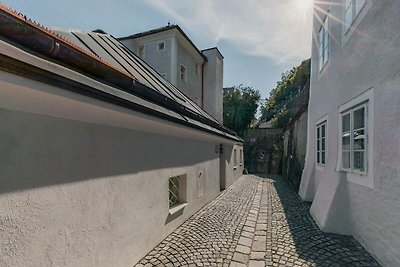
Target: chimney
[[213, 75]]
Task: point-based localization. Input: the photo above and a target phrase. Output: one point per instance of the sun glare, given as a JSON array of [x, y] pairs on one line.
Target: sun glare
[[304, 5]]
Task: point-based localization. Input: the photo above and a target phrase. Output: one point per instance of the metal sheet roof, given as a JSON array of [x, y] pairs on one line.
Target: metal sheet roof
[[102, 57], [110, 49]]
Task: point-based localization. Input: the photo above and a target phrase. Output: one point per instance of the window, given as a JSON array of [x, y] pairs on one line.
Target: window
[[177, 190], [173, 191], [141, 51], [353, 8], [321, 143], [161, 46], [234, 158], [354, 139], [196, 69], [241, 157], [323, 36], [200, 185], [183, 73]]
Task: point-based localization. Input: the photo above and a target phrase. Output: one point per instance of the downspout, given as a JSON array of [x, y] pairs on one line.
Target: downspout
[[202, 84]]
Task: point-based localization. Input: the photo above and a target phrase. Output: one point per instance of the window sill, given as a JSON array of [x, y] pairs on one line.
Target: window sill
[[359, 178], [177, 208], [323, 69], [320, 167]]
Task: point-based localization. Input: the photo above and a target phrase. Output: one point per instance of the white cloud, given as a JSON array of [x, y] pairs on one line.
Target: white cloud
[[277, 29]]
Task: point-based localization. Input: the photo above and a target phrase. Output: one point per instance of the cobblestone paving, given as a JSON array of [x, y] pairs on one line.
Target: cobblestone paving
[[256, 222]]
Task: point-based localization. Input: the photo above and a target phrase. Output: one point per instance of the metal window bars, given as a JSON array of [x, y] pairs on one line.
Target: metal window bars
[[173, 191]]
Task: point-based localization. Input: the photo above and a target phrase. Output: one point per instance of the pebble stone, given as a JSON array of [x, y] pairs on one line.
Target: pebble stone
[[258, 221]]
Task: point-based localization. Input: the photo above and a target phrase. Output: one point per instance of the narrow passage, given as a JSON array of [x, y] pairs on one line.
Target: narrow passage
[[258, 221]]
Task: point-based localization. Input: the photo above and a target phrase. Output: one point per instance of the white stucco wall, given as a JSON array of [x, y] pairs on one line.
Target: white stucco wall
[[178, 51], [365, 61], [159, 60], [192, 86], [85, 183], [232, 171], [213, 83]]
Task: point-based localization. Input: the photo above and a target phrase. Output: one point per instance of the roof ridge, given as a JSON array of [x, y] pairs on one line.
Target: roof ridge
[[57, 36], [171, 26], [162, 29]]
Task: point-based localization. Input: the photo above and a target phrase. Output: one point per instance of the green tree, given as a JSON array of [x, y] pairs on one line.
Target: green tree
[[240, 107], [292, 82]]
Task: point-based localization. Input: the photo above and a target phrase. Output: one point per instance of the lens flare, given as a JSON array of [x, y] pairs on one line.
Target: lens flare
[[304, 6]]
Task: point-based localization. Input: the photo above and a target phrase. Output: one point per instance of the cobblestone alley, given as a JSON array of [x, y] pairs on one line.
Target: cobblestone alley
[[256, 222]]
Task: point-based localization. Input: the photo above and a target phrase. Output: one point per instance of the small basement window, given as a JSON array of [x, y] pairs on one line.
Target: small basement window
[[177, 191]]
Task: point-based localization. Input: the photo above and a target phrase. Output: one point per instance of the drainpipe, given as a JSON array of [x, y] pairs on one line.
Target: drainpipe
[[202, 84]]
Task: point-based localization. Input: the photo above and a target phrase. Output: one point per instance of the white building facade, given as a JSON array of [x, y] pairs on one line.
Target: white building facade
[[198, 74], [100, 158], [352, 172]]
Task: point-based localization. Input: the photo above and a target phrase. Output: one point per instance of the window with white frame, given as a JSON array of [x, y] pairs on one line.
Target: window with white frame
[[353, 8], [323, 38], [183, 73], [141, 51], [354, 139], [321, 143], [161, 46]]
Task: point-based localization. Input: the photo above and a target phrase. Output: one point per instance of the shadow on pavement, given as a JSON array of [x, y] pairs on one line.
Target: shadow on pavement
[[295, 232]]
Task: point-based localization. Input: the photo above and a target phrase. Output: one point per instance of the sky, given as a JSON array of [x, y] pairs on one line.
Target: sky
[[260, 39]]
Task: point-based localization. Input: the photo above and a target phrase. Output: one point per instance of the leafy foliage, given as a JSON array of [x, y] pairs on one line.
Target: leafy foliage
[[292, 82], [240, 107]]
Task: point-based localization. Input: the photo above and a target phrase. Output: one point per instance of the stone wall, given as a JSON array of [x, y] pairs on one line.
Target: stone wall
[[294, 152], [263, 151]]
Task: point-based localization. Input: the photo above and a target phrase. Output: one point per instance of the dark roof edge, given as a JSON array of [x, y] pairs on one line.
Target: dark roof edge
[[162, 29], [212, 48], [149, 32], [25, 32]]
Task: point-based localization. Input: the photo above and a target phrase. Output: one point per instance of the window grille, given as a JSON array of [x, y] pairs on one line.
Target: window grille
[[173, 191]]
